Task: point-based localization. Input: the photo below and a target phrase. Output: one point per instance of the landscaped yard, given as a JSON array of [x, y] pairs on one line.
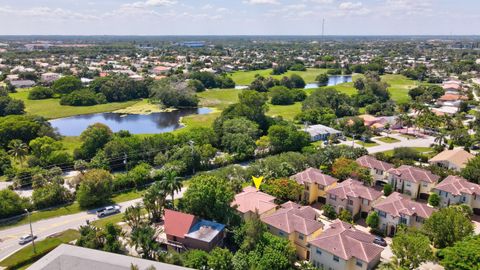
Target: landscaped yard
[[51, 108], [423, 150], [388, 140], [25, 256], [247, 77]]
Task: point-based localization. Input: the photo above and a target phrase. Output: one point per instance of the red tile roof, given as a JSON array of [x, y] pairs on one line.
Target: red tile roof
[[397, 204], [294, 218], [414, 174], [373, 163], [177, 223], [457, 185], [251, 199], [355, 189], [312, 175], [344, 241]]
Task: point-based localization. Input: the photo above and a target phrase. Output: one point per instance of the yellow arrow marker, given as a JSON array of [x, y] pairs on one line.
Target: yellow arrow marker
[[257, 181]]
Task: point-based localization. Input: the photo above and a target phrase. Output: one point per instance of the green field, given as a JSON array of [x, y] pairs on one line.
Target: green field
[[388, 140], [51, 108], [423, 150], [247, 77], [25, 256]]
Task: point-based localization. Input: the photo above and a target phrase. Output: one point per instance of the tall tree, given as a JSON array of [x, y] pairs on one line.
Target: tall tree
[[154, 201], [464, 255], [18, 150], [144, 240], [411, 248], [171, 183]]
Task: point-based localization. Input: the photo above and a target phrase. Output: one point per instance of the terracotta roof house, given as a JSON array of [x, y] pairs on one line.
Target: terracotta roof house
[[185, 231], [451, 100], [315, 184], [378, 169], [353, 196], [251, 200], [342, 247], [457, 190], [399, 209], [297, 223], [413, 181], [455, 159]]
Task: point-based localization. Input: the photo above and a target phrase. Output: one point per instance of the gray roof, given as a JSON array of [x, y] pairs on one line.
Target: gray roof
[[321, 129], [205, 230], [79, 258]]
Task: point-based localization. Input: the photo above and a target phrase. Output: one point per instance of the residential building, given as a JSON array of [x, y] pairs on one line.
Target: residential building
[[79, 258], [342, 247], [185, 231], [251, 200], [353, 196], [315, 185], [299, 224], [22, 83], [457, 190], [321, 132], [50, 77], [455, 159], [378, 169], [399, 209], [413, 181]]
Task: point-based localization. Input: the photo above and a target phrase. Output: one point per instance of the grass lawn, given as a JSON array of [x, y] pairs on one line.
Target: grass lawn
[[114, 219], [408, 136], [247, 77], [70, 143], [422, 150], [364, 144], [387, 139], [286, 111], [25, 256], [70, 209], [51, 108]]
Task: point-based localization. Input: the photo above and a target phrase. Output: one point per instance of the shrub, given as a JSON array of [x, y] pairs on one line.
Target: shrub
[[434, 199], [373, 220], [11, 203], [84, 97], [387, 189], [329, 211], [40, 92]]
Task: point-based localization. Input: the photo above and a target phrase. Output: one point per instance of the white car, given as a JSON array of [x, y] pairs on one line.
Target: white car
[[109, 210], [26, 239]]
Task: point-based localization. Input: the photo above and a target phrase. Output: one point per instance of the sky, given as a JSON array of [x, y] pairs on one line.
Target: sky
[[239, 17]]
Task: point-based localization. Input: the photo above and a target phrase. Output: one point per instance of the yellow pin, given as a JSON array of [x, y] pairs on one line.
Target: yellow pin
[[257, 181]]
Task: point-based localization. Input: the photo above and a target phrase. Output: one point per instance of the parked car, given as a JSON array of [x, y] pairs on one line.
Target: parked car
[[26, 239], [380, 241], [109, 210]]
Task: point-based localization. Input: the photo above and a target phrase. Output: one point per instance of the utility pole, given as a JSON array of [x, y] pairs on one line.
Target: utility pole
[[191, 143], [31, 231]]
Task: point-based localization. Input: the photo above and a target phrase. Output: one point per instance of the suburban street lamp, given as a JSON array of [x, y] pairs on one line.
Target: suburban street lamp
[[31, 230]]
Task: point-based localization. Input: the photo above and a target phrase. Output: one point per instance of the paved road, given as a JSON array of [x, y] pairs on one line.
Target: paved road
[[43, 228], [404, 142]]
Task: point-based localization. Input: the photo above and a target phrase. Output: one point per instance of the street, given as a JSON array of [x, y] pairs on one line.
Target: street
[[403, 142]]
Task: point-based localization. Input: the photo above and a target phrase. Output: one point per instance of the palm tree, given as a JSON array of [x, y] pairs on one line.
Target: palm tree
[[144, 240], [171, 184], [18, 150], [441, 137]]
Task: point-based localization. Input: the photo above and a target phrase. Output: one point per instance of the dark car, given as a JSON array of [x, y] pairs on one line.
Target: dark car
[[380, 241]]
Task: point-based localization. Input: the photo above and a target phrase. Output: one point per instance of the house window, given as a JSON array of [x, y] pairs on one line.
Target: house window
[[403, 220], [359, 263], [350, 202], [335, 258], [440, 193], [300, 236], [281, 233], [366, 202], [382, 214], [464, 199], [419, 219], [333, 197], [319, 252], [408, 184], [424, 184]]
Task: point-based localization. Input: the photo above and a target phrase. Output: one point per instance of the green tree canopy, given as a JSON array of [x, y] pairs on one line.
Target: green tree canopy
[[95, 188]]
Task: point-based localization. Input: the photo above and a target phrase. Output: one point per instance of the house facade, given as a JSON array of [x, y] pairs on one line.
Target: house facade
[[315, 185], [299, 224], [378, 169], [412, 181], [399, 209], [455, 159], [342, 247], [457, 190], [353, 196]]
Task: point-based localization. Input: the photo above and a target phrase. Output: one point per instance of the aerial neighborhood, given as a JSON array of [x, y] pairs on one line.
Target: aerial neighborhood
[[240, 152]]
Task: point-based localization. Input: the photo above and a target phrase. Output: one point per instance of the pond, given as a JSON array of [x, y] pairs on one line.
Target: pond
[[135, 123], [332, 80]]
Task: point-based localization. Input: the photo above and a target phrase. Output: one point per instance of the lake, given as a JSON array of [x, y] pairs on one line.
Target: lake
[[332, 80], [135, 123]]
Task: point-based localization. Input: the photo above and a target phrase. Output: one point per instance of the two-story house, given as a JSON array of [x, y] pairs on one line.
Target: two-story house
[[412, 181], [353, 196], [378, 169], [299, 224], [399, 209], [315, 185], [252, 200], [457, 190], [342, 247], [455, 159]]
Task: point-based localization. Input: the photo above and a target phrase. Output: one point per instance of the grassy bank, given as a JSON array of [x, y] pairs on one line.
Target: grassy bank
[[51, 108], [25, 256], [247, 77]]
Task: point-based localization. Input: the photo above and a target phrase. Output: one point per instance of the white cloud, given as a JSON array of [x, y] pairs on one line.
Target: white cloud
[[150, 3], [261, 2], [46, 13], [350, 5]]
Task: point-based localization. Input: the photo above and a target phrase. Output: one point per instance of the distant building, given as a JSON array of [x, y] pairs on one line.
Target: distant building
[[79, 258], [399, 209], [185, 231], [161, 70], [50, 77], [457, 190], [299, 224], [22, 83], [455, 159], [315, 185], [413, 181], [251, 200], [193, 44], [342, 247], [321, 132]]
